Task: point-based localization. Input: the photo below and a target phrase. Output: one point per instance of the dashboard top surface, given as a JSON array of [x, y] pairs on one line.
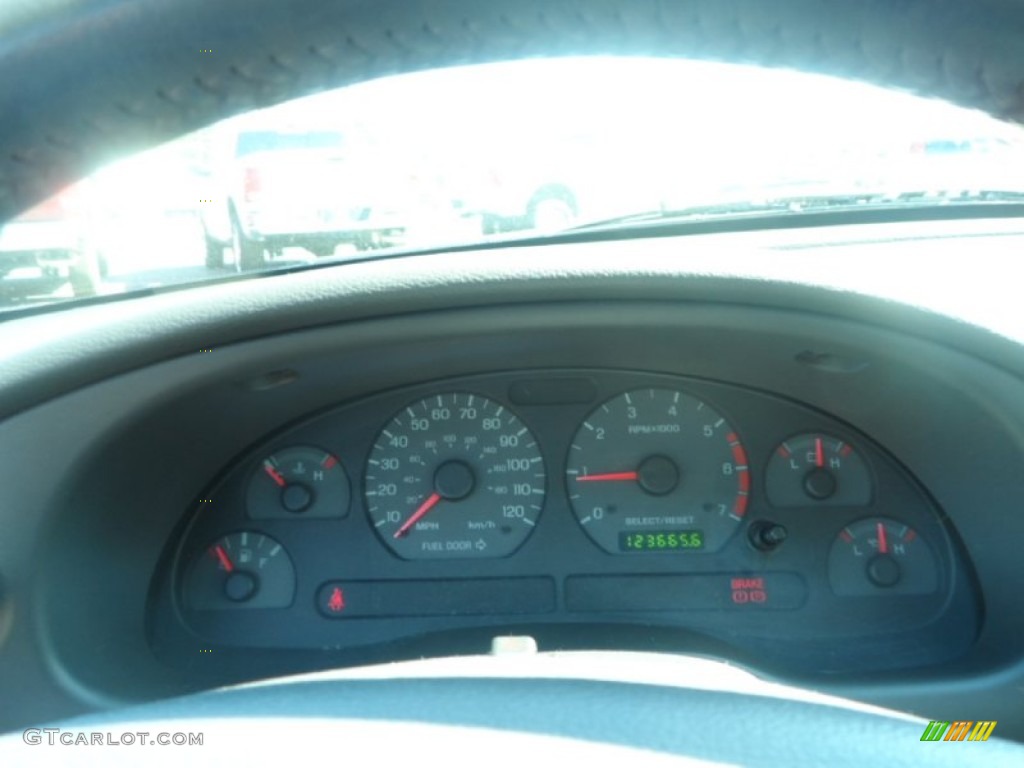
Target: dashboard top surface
[[908, 277]]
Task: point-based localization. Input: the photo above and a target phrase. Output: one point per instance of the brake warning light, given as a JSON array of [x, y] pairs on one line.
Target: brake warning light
[[746, 590]]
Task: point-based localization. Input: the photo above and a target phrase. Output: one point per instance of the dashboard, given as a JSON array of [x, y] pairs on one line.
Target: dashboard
[[621, 505], [830, 504]]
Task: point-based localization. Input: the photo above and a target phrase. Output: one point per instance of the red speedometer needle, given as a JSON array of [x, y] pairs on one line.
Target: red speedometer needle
[[883, 545], [425, 507], [606, 477], [819, 453], [276, 476], [225, 561]]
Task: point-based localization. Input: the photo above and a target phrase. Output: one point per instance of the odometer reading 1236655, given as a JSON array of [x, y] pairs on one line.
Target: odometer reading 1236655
[[657, 471], [454, 475], [660, 541]]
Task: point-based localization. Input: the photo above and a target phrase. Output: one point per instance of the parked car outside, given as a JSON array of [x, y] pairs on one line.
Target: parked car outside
[[271, 185], [522, 187], [51, 246]]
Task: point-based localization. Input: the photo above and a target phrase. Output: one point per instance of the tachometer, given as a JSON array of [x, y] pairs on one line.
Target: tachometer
[[454, 475], [657, 470]]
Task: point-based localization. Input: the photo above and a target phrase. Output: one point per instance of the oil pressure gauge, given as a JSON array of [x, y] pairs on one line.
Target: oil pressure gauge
[[817, 470]]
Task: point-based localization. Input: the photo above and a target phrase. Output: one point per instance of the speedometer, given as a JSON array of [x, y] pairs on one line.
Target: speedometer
[[454, 475], [656, 470]]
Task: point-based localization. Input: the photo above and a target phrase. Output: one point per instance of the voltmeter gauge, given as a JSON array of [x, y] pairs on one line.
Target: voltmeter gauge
[[817, 470], [879, 555]]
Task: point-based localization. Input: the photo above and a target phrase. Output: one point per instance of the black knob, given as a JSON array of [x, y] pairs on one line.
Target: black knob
[[766, 535]]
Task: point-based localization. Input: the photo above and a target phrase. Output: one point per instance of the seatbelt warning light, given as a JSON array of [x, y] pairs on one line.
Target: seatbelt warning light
[[337, 600]]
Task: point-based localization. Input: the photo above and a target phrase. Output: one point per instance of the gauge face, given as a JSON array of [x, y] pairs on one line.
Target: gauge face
[[879, 555], [454, 475], [656, 470], [298, 482], [247, 569], [817, 470]]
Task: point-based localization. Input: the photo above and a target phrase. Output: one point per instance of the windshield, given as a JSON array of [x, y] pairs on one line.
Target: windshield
[[250, 142], [502, 151]]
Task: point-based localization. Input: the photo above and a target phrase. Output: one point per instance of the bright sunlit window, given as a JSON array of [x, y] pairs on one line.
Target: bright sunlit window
[[467, 154]]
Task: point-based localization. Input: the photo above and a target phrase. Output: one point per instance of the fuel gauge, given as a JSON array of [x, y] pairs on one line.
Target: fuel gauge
[[247, 569], [879, 555], [817, 470]]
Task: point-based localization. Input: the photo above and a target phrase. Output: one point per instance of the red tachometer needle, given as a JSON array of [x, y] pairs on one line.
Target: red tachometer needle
[[819, 453], [606, 477], [276, 476], [425, 507], [225, 561], [883, 545]]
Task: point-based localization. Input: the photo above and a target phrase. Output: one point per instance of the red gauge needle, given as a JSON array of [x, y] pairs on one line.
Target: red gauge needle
[[608, 476], [276, 476], [819, 453], [221, 555], [425, 507], [883, 545]]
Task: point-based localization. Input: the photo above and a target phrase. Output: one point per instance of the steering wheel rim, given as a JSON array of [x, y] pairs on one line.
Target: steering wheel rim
[[524, 705]]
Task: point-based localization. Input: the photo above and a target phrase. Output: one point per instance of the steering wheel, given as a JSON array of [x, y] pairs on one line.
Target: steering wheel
[[640, 709]]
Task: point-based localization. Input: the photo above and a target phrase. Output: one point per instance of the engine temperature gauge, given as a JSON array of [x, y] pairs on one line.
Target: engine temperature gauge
[[300, 481], [880, 555], [817, 470]]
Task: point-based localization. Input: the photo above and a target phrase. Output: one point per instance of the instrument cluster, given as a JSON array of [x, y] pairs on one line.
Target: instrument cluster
[[560, 502]]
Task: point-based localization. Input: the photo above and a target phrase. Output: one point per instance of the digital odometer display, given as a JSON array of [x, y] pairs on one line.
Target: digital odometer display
[[661, 541]]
